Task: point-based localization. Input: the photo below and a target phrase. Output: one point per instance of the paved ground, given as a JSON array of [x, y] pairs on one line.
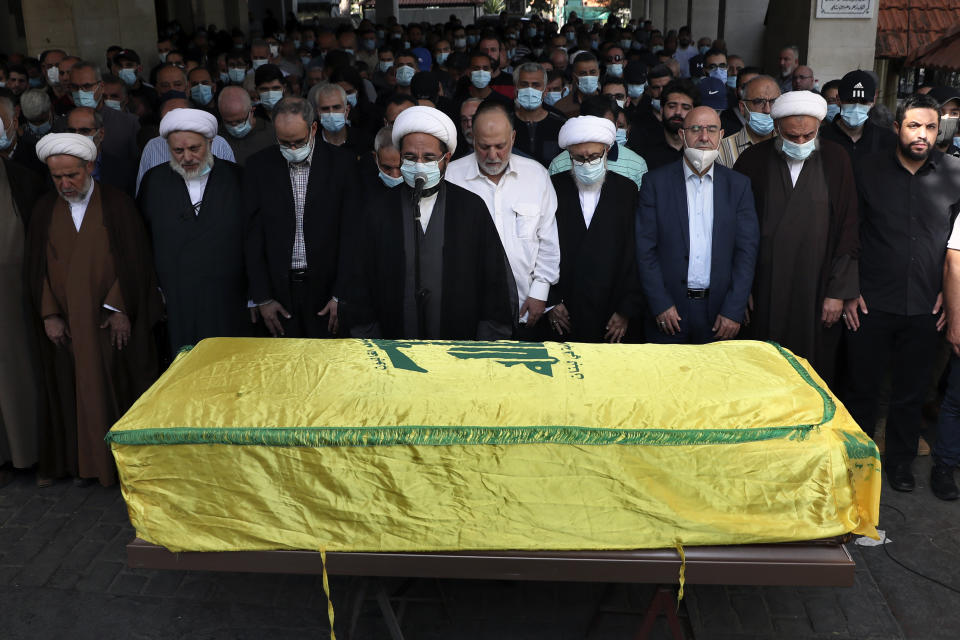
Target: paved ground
[[63, 575]]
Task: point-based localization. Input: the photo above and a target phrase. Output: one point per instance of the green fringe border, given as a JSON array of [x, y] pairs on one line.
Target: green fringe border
[[472, 435]]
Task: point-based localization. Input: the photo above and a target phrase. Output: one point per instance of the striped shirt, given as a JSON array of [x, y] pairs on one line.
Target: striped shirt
[[299, 178], [157, 153], [732, 146], [628, 164]]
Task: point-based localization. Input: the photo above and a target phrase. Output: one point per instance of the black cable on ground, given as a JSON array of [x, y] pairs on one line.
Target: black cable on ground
[[910, 569]]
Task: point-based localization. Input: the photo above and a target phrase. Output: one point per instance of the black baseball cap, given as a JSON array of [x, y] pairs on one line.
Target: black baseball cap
[[857, 85]]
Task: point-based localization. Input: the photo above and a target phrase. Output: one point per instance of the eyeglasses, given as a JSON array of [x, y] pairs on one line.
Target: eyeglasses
[[714, 66], [696, 129], [581, 160], [91, 86], [84, 131], [293, 146], [760, 103], [614, 58]]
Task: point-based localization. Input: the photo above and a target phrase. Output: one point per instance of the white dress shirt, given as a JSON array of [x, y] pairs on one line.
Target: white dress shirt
[[427, 204], [196, 187], [588, 203], [700, 216], [795, 167], [79, 209], [524, 207]]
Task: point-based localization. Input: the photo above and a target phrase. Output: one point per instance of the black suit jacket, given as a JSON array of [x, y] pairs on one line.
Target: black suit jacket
[[331, 199]]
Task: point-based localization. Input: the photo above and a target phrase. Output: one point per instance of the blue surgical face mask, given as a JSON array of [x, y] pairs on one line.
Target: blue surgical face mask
[[552, 97], [36, 83], [532, 32], [590, 172], [201, 94], [405, 75], [333, 122], [224, 77], [309, 44], [732, 82], [797, 151], [305, 60], [833, 110], [472, 40], [655, 104], [529, 98], [237, 76], [719, 74], [352, 99], [615, 69], [854, 114], [83, 98], [269, 98], [588, 84], [625, 44], [296, 155], [442, 57], [571, 36], [129, 76], [431, 170], [5, 142], [348, 51], [636, 90], [296, 44], [704, 49], [113, 104], [621, 136], [40, 130], [760, 123], [384, 65], [240, 130], [256, 63], [390, 181], [657, 48], [460, 43], [480, 78]]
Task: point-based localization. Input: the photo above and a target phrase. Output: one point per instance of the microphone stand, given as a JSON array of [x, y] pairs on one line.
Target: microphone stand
[[420, 294]]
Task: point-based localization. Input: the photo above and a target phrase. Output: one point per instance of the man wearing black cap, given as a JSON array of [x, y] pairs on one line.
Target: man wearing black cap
[[948, 135], [126, 66], [635, 80], [853, 130]]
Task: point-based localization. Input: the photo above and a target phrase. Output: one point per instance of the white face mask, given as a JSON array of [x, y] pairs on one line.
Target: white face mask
[[700, 159]]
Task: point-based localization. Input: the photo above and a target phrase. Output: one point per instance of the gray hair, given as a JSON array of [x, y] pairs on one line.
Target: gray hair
[[325, 88], [97, 118], [34, 104], [761, 78], [83, 64], [529, 67], [795, 49], [294, 106], [384, 139]]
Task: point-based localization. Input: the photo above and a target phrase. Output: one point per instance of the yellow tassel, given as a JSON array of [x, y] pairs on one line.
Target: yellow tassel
[[683, 570], [326, 590]]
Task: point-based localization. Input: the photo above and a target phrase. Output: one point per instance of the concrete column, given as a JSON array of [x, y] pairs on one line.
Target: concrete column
[[658, 14], [703, 22], [210, 12], [744, 30], [836, 46], [87, 27], [386, 9], [676, 15], [10, 35]]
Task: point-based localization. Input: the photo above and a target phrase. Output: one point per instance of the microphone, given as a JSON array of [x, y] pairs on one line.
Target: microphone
[[419, 182]]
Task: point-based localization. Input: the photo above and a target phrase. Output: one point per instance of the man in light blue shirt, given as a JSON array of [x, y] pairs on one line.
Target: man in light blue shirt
[[697, 238]]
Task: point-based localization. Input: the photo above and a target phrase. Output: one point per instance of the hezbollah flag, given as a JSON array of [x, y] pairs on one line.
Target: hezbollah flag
[[383, 445]]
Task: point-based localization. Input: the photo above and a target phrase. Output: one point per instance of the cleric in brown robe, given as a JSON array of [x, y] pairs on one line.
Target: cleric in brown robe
[[91, 277], [806, 200], [19, 375]]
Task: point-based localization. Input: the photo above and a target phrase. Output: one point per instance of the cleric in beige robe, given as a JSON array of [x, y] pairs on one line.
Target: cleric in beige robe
[[19, 374], [91, 277]]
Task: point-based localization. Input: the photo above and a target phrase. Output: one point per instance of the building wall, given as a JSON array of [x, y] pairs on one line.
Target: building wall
[[87, 27], [744, 30], [837, 46], [788, 23], [703, 21], [10, 39]]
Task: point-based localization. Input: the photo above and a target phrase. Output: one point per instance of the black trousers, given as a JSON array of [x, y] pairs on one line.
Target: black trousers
[[696, 327], [908, 344], [305, 303]]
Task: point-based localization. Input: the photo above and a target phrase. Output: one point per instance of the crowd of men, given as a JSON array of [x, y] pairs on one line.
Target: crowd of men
[[520, 180]]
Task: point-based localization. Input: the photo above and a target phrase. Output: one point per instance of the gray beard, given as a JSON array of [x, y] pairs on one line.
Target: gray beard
[[83, 194], [191, 175]]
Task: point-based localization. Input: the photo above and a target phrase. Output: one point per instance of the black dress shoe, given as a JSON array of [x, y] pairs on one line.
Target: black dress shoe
[[942, 483], [900, 477]]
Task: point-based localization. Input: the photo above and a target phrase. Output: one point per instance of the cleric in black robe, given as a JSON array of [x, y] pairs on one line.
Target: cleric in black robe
[[807, 205], [599, 290], [430, 267], [193, 207]]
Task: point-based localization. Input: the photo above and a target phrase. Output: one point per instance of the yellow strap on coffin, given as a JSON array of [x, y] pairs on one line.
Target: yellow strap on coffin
[[326, 590]]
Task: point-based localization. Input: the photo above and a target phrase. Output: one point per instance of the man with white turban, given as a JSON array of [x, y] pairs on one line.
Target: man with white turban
[[193, 206], [807, 204], [521, 200], [91, 278], [428, 261], [599, 291], [19, 376], [697, 237]]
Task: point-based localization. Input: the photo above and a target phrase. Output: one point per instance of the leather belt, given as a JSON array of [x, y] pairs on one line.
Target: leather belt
[[298, 275], [698, 294]]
